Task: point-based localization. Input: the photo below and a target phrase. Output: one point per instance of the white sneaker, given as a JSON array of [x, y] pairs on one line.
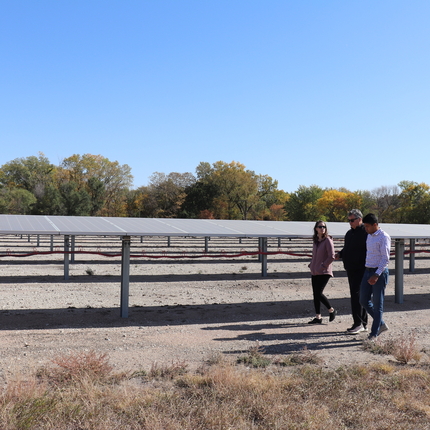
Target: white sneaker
[[355, 330]]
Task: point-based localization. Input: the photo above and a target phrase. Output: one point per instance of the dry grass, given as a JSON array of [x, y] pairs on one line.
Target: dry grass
[[303, 357], [81, 392], [404, 349], [77, 369], [255, 357]]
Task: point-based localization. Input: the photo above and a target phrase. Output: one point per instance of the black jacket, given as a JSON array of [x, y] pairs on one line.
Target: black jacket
[[353, 253]]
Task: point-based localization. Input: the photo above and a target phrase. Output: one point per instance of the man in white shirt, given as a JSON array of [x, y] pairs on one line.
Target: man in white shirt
[[375, 279]]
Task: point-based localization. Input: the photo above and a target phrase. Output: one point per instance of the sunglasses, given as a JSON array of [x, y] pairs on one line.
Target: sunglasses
[[352, 219], [321, 226]]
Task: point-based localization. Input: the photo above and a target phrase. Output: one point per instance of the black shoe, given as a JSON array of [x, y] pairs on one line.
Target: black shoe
[[315, 321], [332, 315]]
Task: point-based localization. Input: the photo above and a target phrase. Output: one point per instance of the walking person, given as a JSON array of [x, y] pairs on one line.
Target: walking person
[[321, 270], [375, 279], [353, 255]]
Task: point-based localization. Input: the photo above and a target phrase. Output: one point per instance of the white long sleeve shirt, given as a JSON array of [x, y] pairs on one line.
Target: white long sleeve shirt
[[378, 251]]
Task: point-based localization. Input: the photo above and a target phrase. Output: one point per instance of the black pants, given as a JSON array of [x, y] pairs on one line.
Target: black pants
[[359, 314], [318, 284]]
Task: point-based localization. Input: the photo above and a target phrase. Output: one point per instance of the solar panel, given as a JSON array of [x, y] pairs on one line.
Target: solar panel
[[114, 226], [98, 226], [26, 224]]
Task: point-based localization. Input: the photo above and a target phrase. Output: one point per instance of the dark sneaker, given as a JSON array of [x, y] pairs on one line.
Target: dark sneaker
[[315, 321], [332, 315], [355, 329], [382, 328]]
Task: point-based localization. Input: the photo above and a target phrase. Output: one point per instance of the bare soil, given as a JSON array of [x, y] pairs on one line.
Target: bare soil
[[185, 309]]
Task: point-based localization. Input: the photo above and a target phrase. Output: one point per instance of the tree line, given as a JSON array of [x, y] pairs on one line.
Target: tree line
[[92, 185]]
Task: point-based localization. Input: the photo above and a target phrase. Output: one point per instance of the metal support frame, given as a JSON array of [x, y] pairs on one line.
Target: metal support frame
[[66, 256], [72, 257], [206, 244], [263, 248], [125, 276], [399, 260], [52, 243], [412, 255]]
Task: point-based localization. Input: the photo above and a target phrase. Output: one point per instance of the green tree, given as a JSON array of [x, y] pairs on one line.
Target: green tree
[[368, 202], [17, 201], [414, 203], [36, 175], [386, 203], [302, 204], [74, 201], [113, 181], [97, 192], [241, 193], [199, 198], [165, 194]]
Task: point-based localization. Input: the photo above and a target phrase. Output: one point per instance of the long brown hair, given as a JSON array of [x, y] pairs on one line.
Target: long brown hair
[[315, 236]]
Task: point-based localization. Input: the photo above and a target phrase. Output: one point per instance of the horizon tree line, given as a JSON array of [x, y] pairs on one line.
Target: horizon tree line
[[92, 185]]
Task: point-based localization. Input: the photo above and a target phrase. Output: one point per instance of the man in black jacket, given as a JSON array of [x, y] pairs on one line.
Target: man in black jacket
[[353, 256]]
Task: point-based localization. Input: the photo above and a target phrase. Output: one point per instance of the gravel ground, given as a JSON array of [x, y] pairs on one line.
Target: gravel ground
[[188, 309]]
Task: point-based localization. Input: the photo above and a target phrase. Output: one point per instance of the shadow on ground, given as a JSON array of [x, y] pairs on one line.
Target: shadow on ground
[[232, 316]]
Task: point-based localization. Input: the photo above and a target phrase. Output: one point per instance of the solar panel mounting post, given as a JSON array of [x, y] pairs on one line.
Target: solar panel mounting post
[[263, 248], [412, 255], [125, 276], [399, 259], [72, 257], [66, 257]]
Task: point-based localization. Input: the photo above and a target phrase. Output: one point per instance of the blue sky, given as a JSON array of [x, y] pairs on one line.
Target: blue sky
[[332, 93]]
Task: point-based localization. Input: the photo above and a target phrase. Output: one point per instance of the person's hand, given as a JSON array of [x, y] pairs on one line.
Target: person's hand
[[373, 279], [336, 256]]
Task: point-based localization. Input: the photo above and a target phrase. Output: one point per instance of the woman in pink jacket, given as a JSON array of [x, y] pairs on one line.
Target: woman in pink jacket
[[321, 270]]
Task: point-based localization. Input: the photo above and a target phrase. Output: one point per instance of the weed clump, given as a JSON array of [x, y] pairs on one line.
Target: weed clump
[[303, 357], [89, 271], [77, 368], [167, 371], [255, 357], [404, 349]]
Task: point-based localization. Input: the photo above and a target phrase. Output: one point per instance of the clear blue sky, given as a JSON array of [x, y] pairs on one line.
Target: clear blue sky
[[332, 93]]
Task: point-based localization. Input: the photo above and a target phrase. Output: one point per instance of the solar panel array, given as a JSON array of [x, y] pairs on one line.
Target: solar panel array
[[111, 226]]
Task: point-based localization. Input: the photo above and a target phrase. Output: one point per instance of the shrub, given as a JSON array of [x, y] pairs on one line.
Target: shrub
[[255, 357], [76, 368], [303, 357]]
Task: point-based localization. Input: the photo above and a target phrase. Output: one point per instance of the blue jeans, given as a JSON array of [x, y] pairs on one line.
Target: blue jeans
[[372, 298]]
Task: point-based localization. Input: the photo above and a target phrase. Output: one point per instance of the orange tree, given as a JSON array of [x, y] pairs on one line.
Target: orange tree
[[334, 205]]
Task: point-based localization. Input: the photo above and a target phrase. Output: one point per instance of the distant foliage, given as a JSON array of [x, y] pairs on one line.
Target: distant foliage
[[92, 185]]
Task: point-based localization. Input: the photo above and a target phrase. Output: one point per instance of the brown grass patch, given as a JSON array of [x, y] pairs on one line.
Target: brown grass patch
[[220, 396]]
